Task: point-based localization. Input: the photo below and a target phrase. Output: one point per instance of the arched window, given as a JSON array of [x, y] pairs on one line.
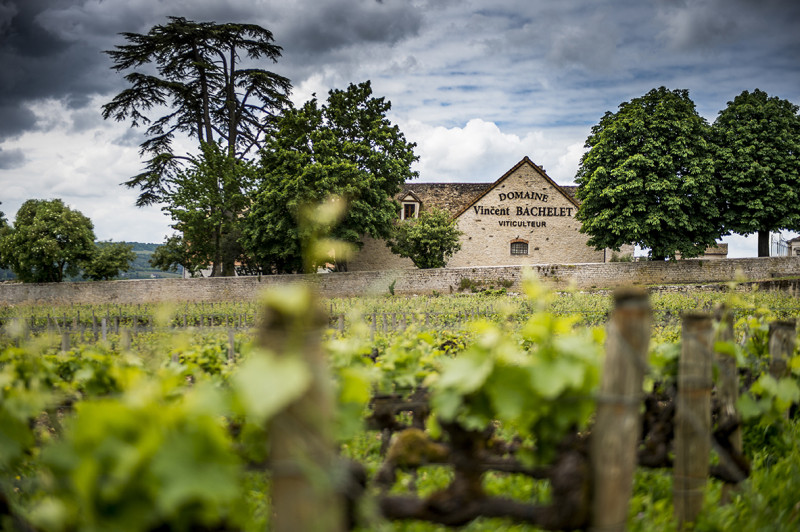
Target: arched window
[[519, 247]]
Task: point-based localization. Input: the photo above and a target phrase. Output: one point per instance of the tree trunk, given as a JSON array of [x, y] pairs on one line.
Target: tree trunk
[[205, 98], [763, 243], [216, 268]]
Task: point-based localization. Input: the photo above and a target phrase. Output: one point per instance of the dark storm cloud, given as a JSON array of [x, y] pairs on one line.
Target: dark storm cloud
[[704, 24], [347, 23], [53, 48], [10, 159], [38, 63]]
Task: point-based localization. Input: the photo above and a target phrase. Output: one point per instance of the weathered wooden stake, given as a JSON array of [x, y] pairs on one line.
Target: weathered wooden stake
[[302, 449], [727, 387], [65, 341], [781, 346], [231, 345], [616, 431], [693, 417]]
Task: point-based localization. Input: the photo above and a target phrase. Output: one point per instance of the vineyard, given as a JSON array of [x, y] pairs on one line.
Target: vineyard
[[554, 411]]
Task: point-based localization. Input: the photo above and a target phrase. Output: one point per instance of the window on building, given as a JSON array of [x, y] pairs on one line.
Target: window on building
[[519, 248], [409, 210]]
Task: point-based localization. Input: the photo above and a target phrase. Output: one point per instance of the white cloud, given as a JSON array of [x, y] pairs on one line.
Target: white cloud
[[85, 169], [481, 152]]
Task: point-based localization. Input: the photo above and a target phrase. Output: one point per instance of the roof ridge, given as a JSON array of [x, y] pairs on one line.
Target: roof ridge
[[539, 169]]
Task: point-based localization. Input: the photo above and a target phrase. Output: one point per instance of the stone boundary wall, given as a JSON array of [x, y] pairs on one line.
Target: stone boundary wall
[[444, 281]]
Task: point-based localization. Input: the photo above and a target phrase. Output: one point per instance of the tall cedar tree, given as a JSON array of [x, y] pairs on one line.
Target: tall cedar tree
[[757, 142], [647, 178], [47, 242], [201, 73], [346, 148]]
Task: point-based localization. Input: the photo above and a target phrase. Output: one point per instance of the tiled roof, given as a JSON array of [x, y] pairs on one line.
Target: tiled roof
[[570, 189], [456, 197], [451, 197]]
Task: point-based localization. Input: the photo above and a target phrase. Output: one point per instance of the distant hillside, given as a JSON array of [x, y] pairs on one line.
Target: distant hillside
[[140, 269]]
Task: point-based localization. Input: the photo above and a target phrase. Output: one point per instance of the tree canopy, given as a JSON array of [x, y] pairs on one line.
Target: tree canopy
[[647, 178], [47, 241], [206, 202], [429, 241], [345, 148], [173, 253], [201, 74], [108, 260], [757, 140]]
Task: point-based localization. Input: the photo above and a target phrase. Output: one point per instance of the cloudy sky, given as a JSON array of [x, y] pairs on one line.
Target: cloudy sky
[[477, 84]]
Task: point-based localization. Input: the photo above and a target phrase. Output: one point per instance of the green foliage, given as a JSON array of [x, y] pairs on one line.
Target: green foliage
[[345, 149], [429, 241], [140, 462], [536, 385], [647, 178], [767, 501], [175, 252], [47, 242], [200, 77], [205, 202], [615, 257], [757, 142], [171, 434], [108, 260]]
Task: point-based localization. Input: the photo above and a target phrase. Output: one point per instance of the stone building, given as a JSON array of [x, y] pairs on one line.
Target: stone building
[[522, 218], [794, 247]]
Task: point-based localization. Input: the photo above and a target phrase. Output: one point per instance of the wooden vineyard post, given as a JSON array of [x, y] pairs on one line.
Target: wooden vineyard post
[[302, 455], [616, 431], [693, 417], [727, 388], [781, 346], [125, 340], [231, 345]]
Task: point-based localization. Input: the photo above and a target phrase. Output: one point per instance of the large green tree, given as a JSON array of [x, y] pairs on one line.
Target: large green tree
[[108, 260], [205, 79], [429, 241], [647, 178], [757, 141], [206, 202], [175, 253], [47, 242], [345, 148]]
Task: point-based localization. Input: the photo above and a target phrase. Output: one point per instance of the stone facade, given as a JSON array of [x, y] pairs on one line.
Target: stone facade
[[794, 247], [523, 218], [526, 207]]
